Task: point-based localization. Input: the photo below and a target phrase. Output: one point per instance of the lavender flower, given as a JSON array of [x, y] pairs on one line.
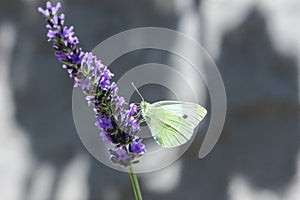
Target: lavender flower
[[120, 156], [88, 75], [118, 124], [105, 137], [50, 10], [133, 109], [137, 147], [63, 38], [104, 123], [105, 79]]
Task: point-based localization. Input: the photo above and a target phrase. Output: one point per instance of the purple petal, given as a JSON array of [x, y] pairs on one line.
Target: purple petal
[[49, 5], [56, 8], [44, 12], [133, 109]]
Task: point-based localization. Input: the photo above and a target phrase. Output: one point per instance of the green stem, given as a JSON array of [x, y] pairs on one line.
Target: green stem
[[135, 184]]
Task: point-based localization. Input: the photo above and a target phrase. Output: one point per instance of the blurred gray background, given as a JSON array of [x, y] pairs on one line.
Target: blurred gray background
[[255, 44]]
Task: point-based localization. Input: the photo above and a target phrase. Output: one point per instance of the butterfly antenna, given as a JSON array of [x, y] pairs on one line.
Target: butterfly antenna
[[137, 91]]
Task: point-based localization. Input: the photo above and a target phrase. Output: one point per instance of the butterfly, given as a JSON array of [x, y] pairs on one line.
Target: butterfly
[[171, 123]]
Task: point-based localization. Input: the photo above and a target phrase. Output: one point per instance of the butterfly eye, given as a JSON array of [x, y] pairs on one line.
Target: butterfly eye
[[184, 116]]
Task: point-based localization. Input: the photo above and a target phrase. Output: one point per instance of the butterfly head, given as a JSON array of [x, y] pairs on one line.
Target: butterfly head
[[145, 109], [144, 106]]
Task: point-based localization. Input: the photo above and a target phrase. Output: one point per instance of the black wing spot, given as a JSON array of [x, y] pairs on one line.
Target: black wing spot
[[184, 116]]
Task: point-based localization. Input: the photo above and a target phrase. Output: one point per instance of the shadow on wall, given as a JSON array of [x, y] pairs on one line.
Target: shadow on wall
[[260, 138]]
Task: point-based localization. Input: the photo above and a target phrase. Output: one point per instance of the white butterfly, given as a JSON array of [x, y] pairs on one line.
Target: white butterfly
[[172, 123]]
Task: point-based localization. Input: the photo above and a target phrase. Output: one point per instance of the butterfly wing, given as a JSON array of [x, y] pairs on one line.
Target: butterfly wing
[[172, 123], [167, 128], [191, 112]]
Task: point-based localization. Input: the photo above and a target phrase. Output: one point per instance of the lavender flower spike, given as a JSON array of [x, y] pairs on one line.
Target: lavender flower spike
[[63, 38], [118, 124], [50, 9]]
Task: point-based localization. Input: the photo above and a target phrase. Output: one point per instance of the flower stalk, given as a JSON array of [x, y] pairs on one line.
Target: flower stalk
[[135, 184]]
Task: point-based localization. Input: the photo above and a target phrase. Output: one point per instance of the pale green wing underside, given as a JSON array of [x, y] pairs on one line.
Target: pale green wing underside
[[192, 112], [172, 123]]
